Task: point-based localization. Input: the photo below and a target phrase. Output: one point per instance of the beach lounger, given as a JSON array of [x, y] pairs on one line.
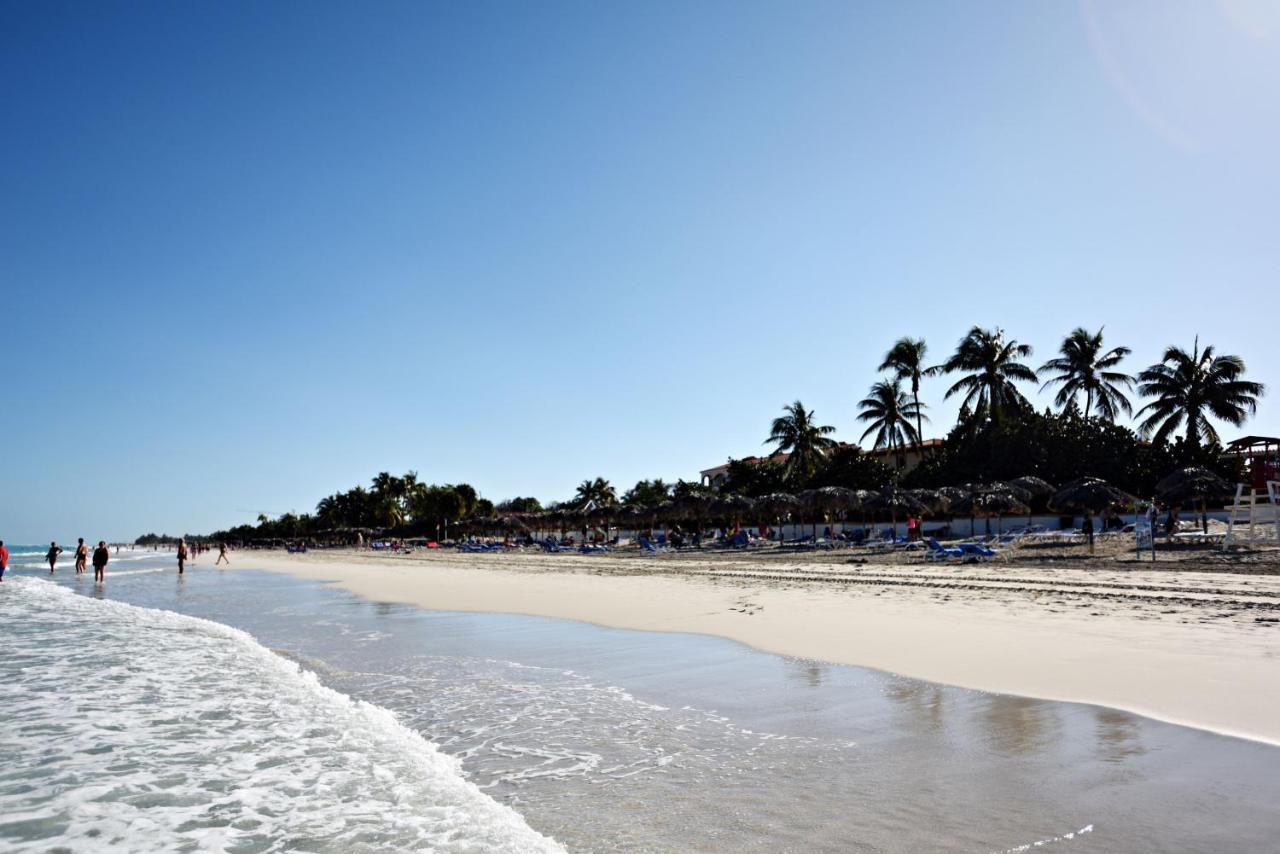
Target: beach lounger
[[937, 549], [976, 550]]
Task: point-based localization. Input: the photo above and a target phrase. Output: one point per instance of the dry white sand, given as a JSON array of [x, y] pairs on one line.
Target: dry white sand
[[1198, 649]]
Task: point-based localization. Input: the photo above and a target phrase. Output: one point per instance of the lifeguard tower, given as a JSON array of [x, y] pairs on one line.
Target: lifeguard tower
[[1254, 516]]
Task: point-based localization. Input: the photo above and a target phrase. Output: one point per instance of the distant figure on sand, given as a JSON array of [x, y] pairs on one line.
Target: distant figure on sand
[[82, 556], [100, 558], [1087, 528], [4, 559], [222, 555], [52, 556], [182, 556]]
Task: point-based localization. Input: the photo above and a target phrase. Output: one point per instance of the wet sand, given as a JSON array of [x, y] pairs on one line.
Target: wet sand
[[1190, 645]]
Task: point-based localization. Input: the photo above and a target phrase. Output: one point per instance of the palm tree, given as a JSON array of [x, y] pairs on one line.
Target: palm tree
[[890, 412], [599, 491], [993, 366], [1185, 385], [806, 441], [1084, 367], [906, 359]]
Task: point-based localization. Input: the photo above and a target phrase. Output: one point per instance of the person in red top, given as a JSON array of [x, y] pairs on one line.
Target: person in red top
[[4, 559]]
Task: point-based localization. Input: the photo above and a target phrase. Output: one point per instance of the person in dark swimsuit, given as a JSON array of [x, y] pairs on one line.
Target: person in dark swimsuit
[[182, 555], [52, 556], [82, 556], [100, 558]]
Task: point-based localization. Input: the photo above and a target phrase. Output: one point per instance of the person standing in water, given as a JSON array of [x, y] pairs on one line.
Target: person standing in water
[[100, 558], [52, 556], [182, 556], [82, 556], [222, 555], [4, 559]]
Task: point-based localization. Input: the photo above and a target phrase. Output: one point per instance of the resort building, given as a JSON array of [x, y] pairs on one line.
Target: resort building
[[716, 475]]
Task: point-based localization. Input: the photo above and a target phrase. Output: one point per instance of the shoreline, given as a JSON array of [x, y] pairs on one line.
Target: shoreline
[[1061, 635]]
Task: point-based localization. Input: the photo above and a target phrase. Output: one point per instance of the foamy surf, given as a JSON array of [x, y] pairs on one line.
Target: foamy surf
[[144, 730]]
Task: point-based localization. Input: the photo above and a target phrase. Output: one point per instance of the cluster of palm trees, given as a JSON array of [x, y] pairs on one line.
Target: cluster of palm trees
[[1186, 388]]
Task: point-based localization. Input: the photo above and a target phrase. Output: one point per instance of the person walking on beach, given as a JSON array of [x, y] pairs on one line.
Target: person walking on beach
[[182, 555], [1087, 528], [52, 556], [100, 558], [82, 556], [4, 559], [222, 555]]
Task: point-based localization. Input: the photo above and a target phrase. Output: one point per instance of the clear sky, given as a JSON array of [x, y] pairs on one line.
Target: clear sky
[[252, 253]]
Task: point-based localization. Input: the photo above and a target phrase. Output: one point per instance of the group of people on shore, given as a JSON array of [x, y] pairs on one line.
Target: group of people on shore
[[102, 556]]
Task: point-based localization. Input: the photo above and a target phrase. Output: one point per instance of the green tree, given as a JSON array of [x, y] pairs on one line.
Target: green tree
[[1083, 366], [599, 491], [755, 477], [889, 414], [906, 360], [992, 367], [1189, 388], [849, 467], [807, 442], [647, 492]]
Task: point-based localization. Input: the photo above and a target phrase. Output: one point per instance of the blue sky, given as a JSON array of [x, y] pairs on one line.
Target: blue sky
[[254, 253]]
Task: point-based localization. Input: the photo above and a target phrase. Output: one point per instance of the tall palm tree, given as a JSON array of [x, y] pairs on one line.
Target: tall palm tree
[[1084, 367], [599, 491], [993, 367], [1190, 387], [890, 413], [806, 441], [906, 359]]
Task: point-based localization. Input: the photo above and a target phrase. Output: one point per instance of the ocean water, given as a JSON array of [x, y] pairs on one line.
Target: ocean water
[[249, 711]]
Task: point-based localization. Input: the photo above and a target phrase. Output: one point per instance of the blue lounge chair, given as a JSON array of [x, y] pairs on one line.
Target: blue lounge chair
[[937, 549], [976, 550]]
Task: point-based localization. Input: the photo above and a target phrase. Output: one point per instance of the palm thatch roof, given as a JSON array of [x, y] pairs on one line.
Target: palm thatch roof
[[1036, 487], [1193, 483], [934, 501], [897, 500], [777, 504], [1088, 494]]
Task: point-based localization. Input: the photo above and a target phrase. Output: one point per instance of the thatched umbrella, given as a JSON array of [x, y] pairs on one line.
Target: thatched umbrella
[[1087, 494], [733, 507], [827, 501], [1194, 483], [934, 500], [991, 503], [776, 507], [695, 506], [897, 500], [1037, 488]]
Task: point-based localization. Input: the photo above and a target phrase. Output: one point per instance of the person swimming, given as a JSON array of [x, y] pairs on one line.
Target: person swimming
[[52, 556]]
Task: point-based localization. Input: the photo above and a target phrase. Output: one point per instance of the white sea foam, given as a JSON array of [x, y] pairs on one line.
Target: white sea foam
[[144, 730]]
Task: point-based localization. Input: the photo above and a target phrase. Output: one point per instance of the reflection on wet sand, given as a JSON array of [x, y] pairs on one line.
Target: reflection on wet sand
[[1119, 735], [1018, 726], [812, 673], [923, 700]]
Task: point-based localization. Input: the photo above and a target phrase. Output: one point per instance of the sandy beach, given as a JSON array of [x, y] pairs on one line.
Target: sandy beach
[[1191, 643]]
